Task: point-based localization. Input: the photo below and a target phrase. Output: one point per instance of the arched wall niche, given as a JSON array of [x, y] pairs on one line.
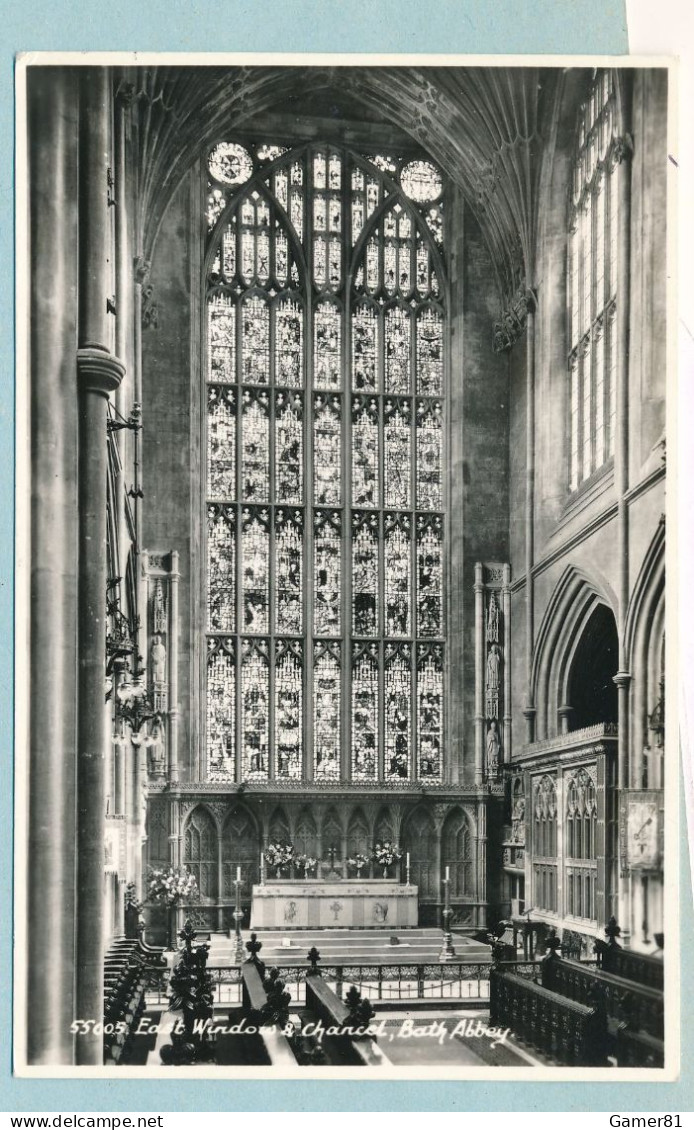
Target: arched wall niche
[[570, 608]]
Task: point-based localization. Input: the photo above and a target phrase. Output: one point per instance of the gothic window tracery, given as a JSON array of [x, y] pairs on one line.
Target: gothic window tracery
[[592, 282], [545, 843], [580, 845], [325, 350]]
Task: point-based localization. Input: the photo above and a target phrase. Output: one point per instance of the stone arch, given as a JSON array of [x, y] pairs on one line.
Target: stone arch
[[420, 840], [201, 851], [358, 835], [587, 683], [306, 834], [645, 658], [458, 853], [278, 830], [384, 826], [331, 833], [568, 611], [240, 848]]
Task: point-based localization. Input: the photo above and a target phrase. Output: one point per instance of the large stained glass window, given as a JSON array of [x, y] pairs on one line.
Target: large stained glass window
[[325, 518], [592, 283]]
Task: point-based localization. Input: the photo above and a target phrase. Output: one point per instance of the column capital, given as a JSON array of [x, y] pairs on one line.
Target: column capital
[[622, 678], [98, 371]]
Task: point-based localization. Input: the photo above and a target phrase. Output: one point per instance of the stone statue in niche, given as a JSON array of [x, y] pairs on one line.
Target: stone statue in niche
[[493, 668], [493, 620], [493, 745], [157, 756], [158, 657], [159, 608]]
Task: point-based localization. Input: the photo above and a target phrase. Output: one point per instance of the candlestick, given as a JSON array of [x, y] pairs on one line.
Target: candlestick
[[447, 950], [262, 868], [238, 915], [407, 865]]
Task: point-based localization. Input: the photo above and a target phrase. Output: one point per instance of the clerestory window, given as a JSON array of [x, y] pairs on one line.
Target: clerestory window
[[325, 496], [592, 283]]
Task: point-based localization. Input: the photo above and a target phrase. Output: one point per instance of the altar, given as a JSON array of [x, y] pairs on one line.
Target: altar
[[332, 904]]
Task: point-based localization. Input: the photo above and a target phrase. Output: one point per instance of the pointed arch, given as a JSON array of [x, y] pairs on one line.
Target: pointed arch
[[645, 652], [240, 848], [420, 840], [457, 853], [201, 850], [573, 602], [358, 835]]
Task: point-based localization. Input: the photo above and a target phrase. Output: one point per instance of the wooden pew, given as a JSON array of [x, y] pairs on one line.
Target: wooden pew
[[565, 1030], [636, 1005], [327, 1007]]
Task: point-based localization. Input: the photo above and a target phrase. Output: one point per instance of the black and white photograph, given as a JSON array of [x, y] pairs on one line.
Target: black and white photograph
[[342, 666]]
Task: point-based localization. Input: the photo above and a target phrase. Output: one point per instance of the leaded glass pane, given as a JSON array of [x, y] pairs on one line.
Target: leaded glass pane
[[398, 453], [365, 451], [230, 163], [429, 451], [422, 268], [255, 340], [364, 348], [397, 334], [326, 713], [221, 442], [262, 459], [429, 352], [289, 447], [255, 710], [373, 260], [327, 449], [222, 338], [221, 567], [289, 709], [288, 571], [320, 254], [281, 256], [327, 571], [255, 554], [221, 708], [255, 450], [429, 576], [398, 711], [398, 568], [430, 710], [421, 181], [229, 251], [364, 712], [364, 574], [216, 203], [289, 353], [326, 351]]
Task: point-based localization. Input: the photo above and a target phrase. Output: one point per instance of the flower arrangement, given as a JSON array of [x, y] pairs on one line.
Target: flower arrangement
[[279, 855], [386, 853], [172, 886], [305, 861], [359, 861]]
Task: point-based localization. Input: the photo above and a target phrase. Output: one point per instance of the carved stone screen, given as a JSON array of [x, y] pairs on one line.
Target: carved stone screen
[[325, 350]]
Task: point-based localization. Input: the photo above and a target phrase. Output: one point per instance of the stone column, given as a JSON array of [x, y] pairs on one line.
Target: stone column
[[506, 613], [621, 481], [481, 910], [529, 710], [52, 118], [99, 374], [173, 671], [479, 674]]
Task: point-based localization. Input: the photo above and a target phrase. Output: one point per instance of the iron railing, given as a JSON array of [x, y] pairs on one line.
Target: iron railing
[[454, 981]]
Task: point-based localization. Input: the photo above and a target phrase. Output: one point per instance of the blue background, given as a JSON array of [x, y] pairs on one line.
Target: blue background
[[416, 26]]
